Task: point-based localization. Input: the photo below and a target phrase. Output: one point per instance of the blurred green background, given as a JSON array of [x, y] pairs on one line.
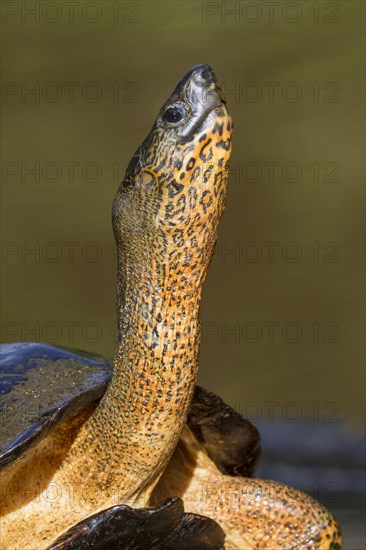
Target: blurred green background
[[293, 74]]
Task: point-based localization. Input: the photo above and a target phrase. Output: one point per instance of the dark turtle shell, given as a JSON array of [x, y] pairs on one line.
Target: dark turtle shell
[[41, 385]]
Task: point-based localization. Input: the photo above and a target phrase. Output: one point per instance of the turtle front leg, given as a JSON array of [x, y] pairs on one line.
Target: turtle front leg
[[254, 513]]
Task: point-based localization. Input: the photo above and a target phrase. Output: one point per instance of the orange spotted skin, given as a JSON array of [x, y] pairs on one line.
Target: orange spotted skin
[[255, 514], [169, 219], [165, 219]]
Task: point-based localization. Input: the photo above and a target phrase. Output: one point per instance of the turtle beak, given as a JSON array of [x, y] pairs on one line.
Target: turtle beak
[[202, 77], [199, 87], [200, 91]]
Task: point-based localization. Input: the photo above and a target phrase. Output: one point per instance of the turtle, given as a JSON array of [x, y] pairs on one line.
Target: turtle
[[130, 453]]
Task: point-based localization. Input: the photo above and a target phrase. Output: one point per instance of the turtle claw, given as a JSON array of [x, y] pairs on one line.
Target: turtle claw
[[230, 440], [163, 527]]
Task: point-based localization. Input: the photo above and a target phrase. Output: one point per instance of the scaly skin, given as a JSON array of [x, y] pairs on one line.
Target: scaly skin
[[255, 514], [165, 219]]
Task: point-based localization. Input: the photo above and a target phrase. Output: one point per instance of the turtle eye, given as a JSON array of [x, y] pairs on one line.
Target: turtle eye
[[174, 115]]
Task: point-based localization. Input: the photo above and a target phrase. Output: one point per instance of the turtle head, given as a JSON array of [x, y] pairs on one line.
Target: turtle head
[[175, 186]]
